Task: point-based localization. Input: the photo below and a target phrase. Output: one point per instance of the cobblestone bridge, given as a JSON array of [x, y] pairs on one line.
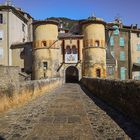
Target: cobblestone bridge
[[68, 113]]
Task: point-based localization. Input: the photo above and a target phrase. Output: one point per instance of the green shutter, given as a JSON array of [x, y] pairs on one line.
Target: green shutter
[[122, 73], [111, 41], [138, 47], [122, 44], [116, 30], [122, 55], [138, 59]]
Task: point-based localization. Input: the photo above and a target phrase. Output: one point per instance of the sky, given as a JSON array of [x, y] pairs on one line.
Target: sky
[[127, 10]]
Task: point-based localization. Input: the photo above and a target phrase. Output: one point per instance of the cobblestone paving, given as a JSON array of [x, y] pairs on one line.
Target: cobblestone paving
[[65, 114]]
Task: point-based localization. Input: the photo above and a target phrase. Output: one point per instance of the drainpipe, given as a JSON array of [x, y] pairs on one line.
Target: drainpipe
[[8, 36], [129, 56]]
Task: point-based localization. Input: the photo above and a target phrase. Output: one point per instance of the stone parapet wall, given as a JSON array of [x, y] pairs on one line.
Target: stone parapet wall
[[9, 74], [25, 91], [122, 95]]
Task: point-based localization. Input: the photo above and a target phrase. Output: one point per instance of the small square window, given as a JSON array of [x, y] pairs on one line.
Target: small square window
[[44, 43], [45, 65], [97, 43]]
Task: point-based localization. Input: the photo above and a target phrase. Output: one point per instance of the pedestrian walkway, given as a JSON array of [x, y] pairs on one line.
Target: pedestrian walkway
[[65, 114]]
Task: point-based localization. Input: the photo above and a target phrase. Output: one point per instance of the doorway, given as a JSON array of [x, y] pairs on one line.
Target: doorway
[[72, 75]]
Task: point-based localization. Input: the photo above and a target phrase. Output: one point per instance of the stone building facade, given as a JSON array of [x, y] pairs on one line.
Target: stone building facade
[[91, 48], [15, 27], [69, 55]]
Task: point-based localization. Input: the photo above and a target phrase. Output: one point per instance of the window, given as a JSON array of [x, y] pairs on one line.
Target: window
[[138, 47], [45, 65], [122, 73], [98, 73], [138, 34], [122, 55], [23, 27], [1, 18], [68, 50], [44, 43], [138, 60], [74, 50], [122, 42], [111, 41], [113, 54], [1, 35], [116, 30], [1, 53], [97, 43], [110, 71]]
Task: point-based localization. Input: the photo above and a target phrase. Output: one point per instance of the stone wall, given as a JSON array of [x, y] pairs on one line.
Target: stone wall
[[122, 95], [17, 94], [9, 74]]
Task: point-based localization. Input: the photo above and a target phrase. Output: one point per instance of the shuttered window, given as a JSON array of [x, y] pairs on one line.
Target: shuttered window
[[122, 55], [138, 47], [116, 30], [111, 41], [122, 73], [122, 43], [138, 60]]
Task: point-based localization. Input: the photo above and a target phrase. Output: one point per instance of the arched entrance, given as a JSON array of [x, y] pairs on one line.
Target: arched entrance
[[72, 75]]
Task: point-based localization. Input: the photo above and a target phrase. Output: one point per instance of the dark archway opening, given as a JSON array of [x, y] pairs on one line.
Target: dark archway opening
[[72, 75]]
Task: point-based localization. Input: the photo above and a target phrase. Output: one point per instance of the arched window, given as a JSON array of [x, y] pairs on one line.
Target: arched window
[[97, 43], [44, 43], [68, 50], [74, 50]]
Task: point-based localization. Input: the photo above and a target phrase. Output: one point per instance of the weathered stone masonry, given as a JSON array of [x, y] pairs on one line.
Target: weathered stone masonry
[[122, 95]]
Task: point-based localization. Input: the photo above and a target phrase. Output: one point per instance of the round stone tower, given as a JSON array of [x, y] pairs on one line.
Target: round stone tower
[[94, 51], [46, 51]]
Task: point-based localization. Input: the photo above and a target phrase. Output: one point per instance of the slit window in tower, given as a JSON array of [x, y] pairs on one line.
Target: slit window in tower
[[97, 43], [45, 65], [44, 43], [1, 18], [98, 73]]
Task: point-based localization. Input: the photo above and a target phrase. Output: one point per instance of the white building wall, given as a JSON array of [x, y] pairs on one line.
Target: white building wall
[[16, 34]]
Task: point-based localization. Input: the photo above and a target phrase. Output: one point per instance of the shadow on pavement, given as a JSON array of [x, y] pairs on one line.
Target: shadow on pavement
[[1, 138], [129, 127]]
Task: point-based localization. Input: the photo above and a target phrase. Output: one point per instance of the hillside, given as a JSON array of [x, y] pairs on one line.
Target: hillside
[[67, 23]]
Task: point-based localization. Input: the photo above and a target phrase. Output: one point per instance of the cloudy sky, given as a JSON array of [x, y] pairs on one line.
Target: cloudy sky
[[127, 10]]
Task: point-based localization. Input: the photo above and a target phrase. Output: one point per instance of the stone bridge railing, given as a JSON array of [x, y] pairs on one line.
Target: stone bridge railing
[[122, 95], [15, 94]]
